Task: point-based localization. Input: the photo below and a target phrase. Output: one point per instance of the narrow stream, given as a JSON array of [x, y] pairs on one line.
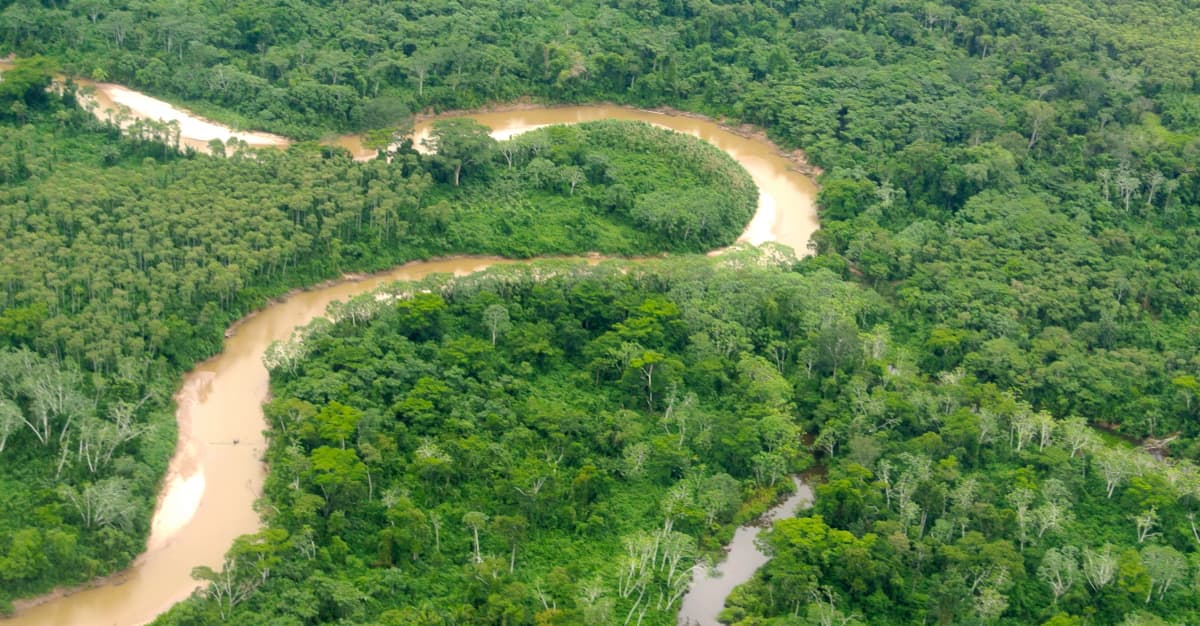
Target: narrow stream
[[710, 587], [211, 483]]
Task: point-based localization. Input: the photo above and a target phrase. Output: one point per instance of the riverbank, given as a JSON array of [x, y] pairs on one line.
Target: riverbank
[[711, 586], [210, 487], [198, 129], [631, 503], [798, 158]]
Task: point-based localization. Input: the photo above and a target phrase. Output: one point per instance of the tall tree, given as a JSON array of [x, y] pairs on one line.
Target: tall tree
[[460, 142]]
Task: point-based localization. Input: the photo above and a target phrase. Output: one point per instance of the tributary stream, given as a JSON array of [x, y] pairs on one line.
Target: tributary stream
[[212, 482], [706, 596]]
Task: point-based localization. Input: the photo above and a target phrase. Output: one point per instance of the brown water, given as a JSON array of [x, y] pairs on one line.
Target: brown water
[[194, 131], [706, 596], [212, 482], [786, 203], [108, 101], [786, 206]]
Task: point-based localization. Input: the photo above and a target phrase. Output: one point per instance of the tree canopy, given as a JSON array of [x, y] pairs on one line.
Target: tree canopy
[[124, 261], [1011, 184]]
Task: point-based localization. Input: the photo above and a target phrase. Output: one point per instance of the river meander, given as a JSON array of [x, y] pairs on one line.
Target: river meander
[[211, 484]]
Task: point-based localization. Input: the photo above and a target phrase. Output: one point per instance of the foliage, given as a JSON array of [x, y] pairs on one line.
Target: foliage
[[124, 262], [1015, 180], [578, 463]]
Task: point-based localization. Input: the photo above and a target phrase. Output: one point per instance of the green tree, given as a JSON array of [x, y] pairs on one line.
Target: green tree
[[475, 520], [337, 472], [495, 317], [460, 142]]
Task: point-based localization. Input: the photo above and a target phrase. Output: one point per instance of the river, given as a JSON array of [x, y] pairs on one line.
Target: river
[[212, 482], [706, 596]]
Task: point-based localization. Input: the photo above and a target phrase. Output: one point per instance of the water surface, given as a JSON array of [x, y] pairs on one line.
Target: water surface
[[212, 482], [706, 597]]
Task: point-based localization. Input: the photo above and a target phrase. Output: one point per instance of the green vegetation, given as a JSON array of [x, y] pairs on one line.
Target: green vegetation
[[1057, 139], [951, 501], [620, 397], [124, 262], [1015, 180], [613, 187], [555, 443]]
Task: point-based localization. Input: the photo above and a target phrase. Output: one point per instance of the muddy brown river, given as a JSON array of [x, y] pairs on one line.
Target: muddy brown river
[[212, 482]]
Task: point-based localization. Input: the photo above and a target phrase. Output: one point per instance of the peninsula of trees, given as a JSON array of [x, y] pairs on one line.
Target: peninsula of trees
[[124, 262], [1009, 191]]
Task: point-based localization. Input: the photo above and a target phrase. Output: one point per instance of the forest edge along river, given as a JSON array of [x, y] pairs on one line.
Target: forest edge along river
[[217, 471], [710, 586]]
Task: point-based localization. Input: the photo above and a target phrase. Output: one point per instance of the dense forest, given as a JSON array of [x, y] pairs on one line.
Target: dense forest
[[1013, 180], [553, 444], [125, 261], [1057, 139], [482, 449]]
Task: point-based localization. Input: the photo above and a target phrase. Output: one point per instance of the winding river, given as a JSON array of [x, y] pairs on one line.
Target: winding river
[[217, 472]]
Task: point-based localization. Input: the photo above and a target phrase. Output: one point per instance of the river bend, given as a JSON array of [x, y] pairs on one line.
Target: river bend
[[211, 483]]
